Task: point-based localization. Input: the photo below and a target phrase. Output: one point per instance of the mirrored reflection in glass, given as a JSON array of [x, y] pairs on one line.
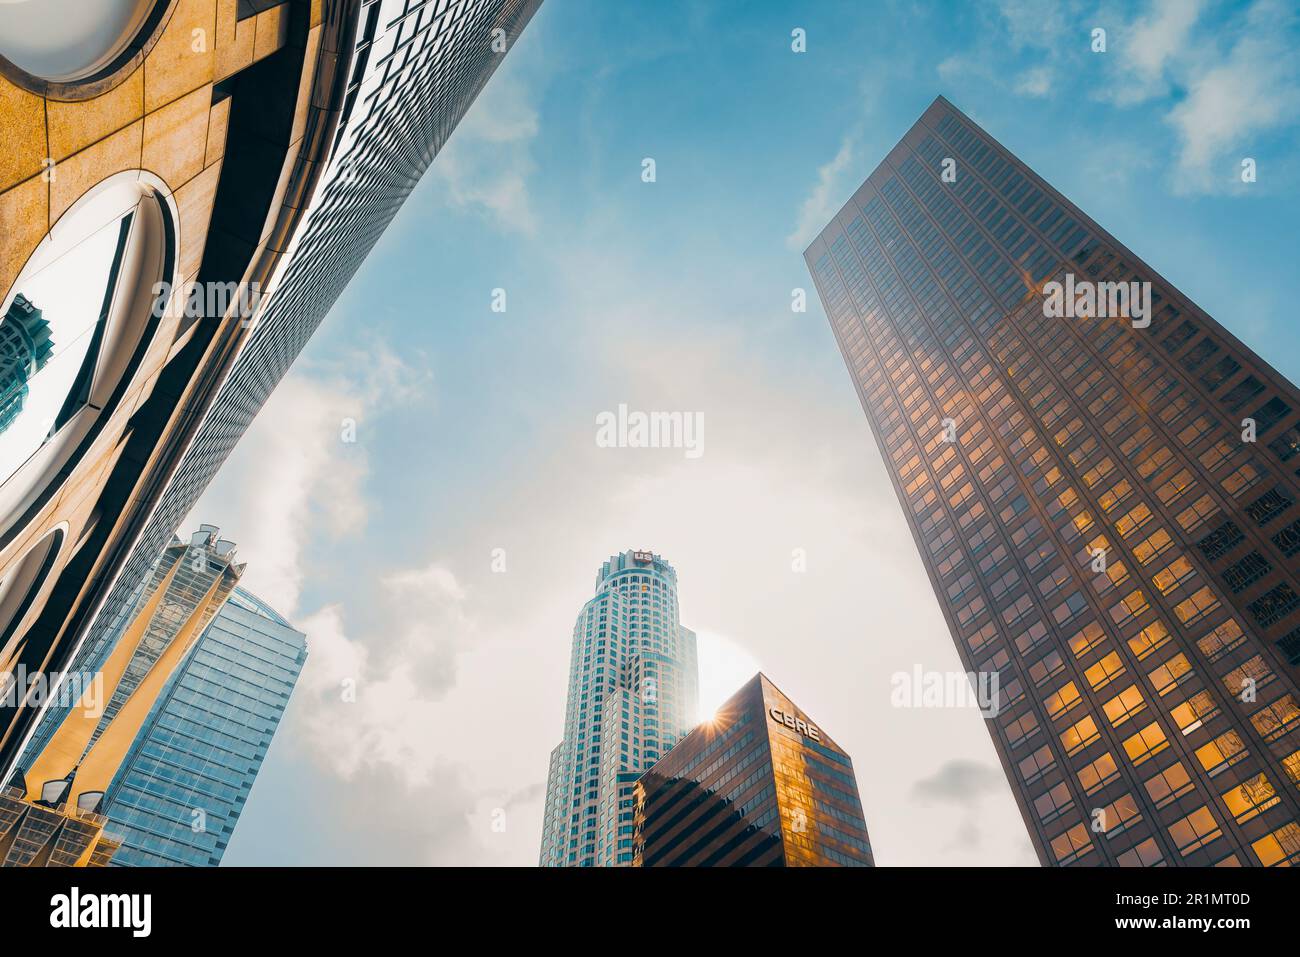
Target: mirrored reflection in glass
[[49, 339]]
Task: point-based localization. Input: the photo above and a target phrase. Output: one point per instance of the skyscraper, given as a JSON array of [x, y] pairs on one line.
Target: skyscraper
[[271, 156], [758, 784], [633, 693], [83, 744], [81, 749], [1101, 483], [185, 781], [25, 348]]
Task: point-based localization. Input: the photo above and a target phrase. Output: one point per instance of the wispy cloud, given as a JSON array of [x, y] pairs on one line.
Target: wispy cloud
[[968, 784], [1147, 49], [488, 161], [824, 200], [1223, 83], [1042, 30], [369, 701], [1036, 23], [309, 476], [1035, 82], [959, 782]]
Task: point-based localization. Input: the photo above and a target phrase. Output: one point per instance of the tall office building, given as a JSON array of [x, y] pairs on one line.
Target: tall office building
[[758, 784], [83, 745], [268, 159], [633, 693], [1104, 497], [25, 348], [185, 781]]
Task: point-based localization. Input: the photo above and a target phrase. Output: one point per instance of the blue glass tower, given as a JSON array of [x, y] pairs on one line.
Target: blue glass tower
[[179, 793]]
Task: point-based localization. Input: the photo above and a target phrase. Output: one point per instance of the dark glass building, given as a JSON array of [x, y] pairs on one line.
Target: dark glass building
[[757, 785], [1102, 484]]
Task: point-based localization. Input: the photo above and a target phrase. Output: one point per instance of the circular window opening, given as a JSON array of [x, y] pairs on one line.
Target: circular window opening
[[66, 40], [74, 325]]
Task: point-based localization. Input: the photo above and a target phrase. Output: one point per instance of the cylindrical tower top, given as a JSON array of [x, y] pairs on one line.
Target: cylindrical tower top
[[635, 560]]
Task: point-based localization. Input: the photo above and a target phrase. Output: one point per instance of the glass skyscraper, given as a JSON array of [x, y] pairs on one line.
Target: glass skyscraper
[[633, 693], [759, 784], [206, 672], [185, 781], [1102, 484]]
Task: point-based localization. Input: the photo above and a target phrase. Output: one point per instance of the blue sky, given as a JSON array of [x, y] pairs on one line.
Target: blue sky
[[476, 429]]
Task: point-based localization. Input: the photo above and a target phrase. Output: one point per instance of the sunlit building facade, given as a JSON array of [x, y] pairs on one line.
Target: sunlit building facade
[[759, 784], [1104, 497], [633, 694], [37, 834], [84, 745]]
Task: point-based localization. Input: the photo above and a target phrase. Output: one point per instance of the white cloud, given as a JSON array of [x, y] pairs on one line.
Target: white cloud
[[300, 477], [1232, 80], [1016, 32], [298, 474], [1151, 44], [370, 703], [953, 67], [1254, 89], [820, 205], [1035, 23], [1036, 82]]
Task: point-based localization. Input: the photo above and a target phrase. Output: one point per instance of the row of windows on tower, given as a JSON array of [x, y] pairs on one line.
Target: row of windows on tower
[[1173, 575]]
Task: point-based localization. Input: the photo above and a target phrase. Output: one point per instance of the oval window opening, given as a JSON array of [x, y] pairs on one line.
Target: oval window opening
[[67, 40], [74, 322]]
